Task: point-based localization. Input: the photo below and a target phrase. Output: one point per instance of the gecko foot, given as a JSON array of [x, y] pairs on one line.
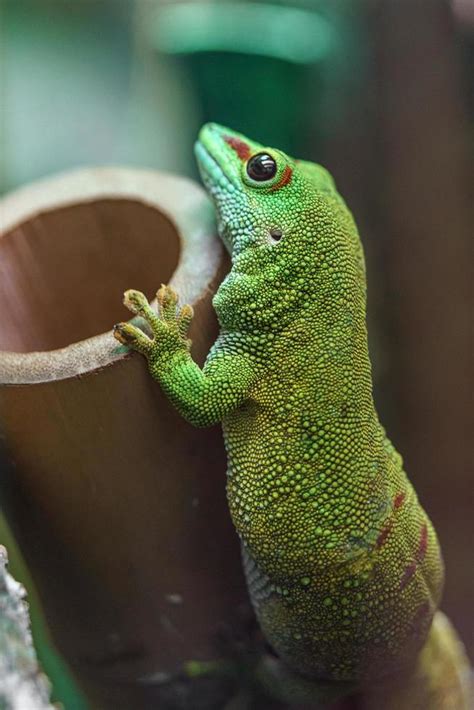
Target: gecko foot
[[169, 326]]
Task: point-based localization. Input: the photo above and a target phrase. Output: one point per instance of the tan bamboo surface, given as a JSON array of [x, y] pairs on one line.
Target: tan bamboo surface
[[118, 504]]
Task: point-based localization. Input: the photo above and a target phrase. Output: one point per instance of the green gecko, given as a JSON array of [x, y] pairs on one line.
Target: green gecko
[[342, 563]]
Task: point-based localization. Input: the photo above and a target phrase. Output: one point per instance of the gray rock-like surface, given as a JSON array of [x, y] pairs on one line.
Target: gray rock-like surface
[[23, 686]]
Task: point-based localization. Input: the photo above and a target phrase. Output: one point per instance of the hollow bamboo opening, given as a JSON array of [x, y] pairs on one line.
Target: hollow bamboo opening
[[63, 271]]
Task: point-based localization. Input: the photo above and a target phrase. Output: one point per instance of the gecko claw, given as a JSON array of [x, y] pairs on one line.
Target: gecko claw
[[135, 338], [167, 302], [135, 301], [120, 333], [184, 319]]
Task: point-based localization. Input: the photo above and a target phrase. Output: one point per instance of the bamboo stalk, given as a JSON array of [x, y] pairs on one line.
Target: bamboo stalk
[[117, 504]]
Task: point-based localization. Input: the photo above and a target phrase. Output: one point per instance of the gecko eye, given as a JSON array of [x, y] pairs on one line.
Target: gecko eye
[[261, 167]]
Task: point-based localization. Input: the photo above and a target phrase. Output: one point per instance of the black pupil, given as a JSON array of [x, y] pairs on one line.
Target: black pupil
[[261, 167]]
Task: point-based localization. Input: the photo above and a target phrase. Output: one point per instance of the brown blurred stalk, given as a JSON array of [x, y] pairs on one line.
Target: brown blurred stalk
[[118, 505]]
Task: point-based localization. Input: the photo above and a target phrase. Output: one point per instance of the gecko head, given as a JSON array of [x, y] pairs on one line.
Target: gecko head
[[284, 224]]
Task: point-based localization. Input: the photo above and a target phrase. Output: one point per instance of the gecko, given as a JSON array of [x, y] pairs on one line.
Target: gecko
[[342, 563]]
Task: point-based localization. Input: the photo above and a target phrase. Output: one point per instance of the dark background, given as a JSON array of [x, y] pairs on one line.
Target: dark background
[[379, 92]]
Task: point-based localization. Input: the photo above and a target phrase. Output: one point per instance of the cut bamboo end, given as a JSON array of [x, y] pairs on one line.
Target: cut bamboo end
[[69, 247], [118, 504]]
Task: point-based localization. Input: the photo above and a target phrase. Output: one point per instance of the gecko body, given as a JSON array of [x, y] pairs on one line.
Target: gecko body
[[342, 563]]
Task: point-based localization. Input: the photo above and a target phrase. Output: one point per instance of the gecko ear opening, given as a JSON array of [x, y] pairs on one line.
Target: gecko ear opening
[[276, 234]]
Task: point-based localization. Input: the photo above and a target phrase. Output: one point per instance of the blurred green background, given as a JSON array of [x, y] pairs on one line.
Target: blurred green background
[[378, 91], [117, 81]]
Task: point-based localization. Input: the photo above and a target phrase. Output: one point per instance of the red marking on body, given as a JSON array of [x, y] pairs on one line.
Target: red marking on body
[[241, 148], [419, 556], [420, 617], [408, 574], [423, 544], [421, 620], [384, 533], [398, 500], [285, 178]]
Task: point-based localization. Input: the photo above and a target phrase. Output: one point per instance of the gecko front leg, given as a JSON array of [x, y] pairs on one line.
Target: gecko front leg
[[203, 397]]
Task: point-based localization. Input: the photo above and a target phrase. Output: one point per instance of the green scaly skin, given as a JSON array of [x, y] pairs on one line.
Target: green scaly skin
[[342, 563]]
